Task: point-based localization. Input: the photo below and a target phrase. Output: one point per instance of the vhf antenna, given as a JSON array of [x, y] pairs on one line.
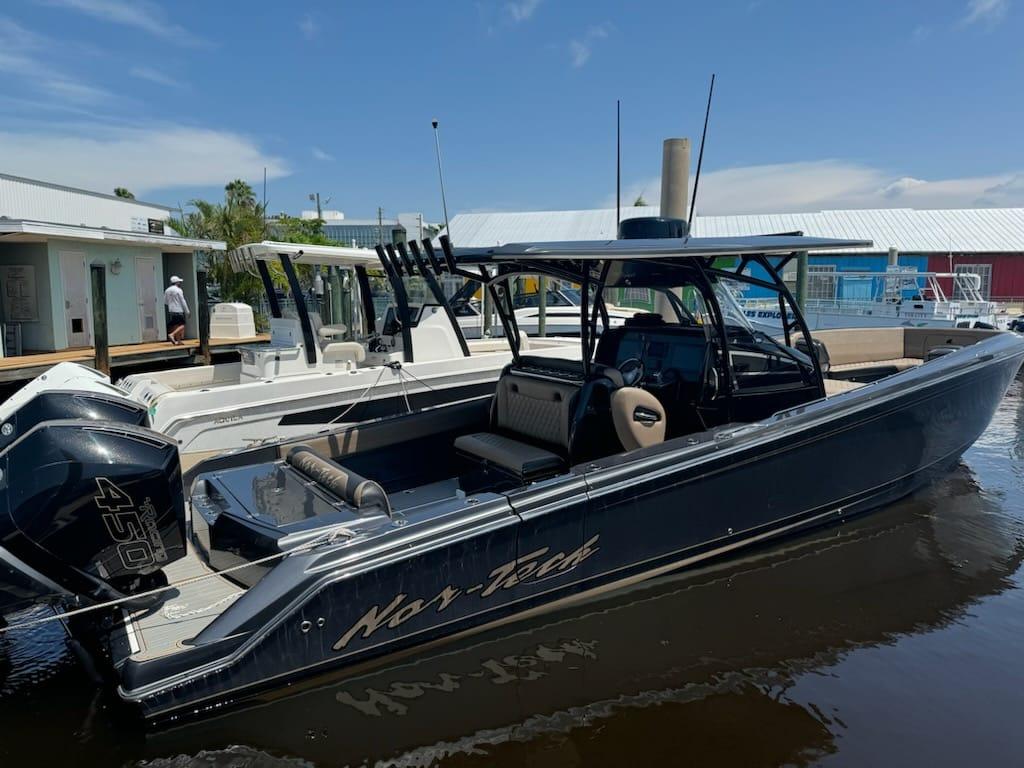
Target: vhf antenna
[[440, 176], [700, 156], [618, 165]]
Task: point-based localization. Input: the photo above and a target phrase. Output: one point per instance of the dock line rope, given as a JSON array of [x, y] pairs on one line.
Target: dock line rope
[[359, 399], [326, 538]]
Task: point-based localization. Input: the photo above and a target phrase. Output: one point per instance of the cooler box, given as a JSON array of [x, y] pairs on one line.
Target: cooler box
[[232, 321]]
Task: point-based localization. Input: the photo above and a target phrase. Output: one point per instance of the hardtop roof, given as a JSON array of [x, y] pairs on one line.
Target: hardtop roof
[[660, 248]]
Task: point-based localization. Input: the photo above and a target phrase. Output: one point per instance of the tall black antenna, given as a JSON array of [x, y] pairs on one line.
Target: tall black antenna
[[440, 176], [700, 156], [618, 165]]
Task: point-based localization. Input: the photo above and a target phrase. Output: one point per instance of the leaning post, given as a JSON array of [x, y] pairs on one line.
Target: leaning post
[[801, 280], [98, 273], [204, 317]]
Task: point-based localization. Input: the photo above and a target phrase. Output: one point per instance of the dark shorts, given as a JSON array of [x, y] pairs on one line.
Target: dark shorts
[[175, 319]]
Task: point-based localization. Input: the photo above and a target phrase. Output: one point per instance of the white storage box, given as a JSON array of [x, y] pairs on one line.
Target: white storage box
[[232, 321]]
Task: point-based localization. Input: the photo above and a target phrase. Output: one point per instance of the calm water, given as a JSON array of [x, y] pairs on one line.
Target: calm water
[[893, 640]]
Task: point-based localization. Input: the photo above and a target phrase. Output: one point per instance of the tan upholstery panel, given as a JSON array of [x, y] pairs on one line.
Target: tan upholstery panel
[[862, 345], [635, 434], [838, 386], [538, 409], [899, 363], [917, 341]]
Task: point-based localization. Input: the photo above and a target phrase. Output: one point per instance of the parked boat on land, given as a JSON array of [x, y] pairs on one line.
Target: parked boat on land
[[667, 442], [884, 299], [312, 376]]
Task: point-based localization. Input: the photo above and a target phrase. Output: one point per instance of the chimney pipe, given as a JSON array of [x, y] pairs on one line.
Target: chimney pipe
[[675, 178]]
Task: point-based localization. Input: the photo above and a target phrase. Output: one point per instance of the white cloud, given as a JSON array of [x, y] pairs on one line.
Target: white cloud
[[155, 76], [141, 158], [319, 154], [144, 15], [522, 10], [833, 184], [581, 48], [308, 27], [988, 11], [24, 54]]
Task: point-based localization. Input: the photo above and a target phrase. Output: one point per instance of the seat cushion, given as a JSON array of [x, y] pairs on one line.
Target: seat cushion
[[518, 458]]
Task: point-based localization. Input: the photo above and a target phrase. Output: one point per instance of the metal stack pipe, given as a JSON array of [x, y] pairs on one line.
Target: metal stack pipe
[[675, 178]]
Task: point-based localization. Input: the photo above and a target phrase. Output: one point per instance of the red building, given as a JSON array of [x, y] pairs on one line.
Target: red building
[[1002, 274]]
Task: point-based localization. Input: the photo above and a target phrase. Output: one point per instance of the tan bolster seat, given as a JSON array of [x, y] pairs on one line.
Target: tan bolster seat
[[511, 455], [639, 418]]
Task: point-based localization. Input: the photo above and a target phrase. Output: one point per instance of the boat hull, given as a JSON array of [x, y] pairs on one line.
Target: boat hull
[[602, 527]]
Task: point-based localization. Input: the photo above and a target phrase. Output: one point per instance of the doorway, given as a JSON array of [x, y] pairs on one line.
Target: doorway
[[145, 290], [77, 305]]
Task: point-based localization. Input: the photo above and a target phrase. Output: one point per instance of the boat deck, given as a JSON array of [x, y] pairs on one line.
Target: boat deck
[[157, 631]]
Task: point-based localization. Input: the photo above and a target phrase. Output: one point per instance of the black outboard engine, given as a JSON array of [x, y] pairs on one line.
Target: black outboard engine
[[89, 509]]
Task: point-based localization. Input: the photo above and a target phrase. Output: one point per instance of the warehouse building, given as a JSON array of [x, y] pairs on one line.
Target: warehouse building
[[50, 236], [986, 241]]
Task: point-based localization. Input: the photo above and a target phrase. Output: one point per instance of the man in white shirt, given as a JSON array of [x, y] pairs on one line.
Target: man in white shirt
[[177, 311]]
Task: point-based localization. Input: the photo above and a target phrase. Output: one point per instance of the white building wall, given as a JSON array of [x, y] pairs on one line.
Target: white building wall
[[40, 201]]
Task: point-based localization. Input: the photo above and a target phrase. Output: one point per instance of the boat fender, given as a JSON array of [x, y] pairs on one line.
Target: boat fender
[[352, 488]]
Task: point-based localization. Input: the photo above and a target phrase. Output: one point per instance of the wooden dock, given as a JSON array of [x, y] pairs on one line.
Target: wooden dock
[[26, 367]]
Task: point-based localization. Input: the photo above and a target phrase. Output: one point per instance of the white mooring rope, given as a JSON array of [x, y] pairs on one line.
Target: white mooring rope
[[327, 538]]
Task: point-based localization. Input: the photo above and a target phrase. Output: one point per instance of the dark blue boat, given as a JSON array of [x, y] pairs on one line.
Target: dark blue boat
[[679, 437]]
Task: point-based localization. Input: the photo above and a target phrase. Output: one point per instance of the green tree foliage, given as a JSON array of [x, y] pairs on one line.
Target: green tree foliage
[[290, 229], [240, 219], [122, 192]]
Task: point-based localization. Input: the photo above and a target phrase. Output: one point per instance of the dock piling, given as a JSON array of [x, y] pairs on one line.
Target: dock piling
[[204, 318], [98, 274]]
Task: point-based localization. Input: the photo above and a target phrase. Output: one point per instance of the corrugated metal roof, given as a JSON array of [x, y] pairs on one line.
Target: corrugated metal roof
[[15, 231], [971, 230], [41, 201]]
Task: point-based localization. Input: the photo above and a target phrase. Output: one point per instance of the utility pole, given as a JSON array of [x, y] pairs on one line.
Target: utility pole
[[380, 225], [315, 196]]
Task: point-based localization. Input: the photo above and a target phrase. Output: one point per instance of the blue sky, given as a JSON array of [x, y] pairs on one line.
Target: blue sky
[[817, 105]]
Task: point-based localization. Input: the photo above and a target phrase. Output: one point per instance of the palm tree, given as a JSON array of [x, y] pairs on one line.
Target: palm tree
[[240, 219]]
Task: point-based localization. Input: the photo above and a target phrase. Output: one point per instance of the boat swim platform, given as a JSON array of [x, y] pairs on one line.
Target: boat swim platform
[[26, 367]]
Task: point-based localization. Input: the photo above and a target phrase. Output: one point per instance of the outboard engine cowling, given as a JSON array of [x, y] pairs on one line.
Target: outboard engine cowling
[[94, 509]]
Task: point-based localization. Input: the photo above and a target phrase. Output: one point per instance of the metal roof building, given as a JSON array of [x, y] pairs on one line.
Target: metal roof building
[[34, 200], [50, 238], [985, 241], [972, 230]]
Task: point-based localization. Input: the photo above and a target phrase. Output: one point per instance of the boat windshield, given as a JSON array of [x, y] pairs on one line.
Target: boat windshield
[[726, 292]]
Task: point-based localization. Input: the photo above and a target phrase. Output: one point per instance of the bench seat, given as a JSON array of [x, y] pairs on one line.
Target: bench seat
[[521, 459]]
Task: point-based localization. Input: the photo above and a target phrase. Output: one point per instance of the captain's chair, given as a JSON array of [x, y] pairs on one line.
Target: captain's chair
[[544, 417]]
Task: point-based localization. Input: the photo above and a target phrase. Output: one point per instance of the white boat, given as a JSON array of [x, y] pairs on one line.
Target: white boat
[[304, 380], [883, 299], [561, 313]]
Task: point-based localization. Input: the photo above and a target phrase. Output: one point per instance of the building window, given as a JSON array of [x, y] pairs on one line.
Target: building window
[[984, 271], [821, 282]]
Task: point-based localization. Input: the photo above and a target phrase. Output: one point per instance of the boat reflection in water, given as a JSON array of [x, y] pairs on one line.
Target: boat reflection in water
[[681, 665]]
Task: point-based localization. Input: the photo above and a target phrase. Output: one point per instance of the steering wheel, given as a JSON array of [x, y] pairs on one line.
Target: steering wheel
[[632, 371]]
